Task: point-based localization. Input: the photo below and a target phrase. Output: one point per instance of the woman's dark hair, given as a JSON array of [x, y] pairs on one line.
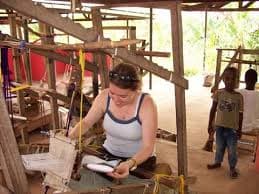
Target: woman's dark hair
[[125, 76], [251, 76]]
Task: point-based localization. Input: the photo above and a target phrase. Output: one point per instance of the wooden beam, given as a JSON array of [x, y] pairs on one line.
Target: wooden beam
[[100, 58], [4, 190], [83, 35], [219, 77], [244, 51], [51, 73], [92, 46], [147, 65], [26, 55], [65, 59], [10, 151], [17, 65], [248, 4], [51, 17], [153, 53], [177, 50], [7, 178]]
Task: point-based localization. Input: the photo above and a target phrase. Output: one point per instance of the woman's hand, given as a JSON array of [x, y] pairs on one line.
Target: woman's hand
[[121, 171]]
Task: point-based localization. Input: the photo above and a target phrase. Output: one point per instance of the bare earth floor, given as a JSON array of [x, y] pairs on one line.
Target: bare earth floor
[[198, 103]]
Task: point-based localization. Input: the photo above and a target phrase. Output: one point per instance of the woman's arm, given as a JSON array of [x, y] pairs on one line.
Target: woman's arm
[[149, 120], [95, 113]]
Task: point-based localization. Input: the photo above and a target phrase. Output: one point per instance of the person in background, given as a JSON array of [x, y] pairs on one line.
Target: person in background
[[228, 104], [129, 120], [251, 102]]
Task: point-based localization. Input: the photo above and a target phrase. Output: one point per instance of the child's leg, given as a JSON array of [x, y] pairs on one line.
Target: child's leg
[[232, 148], [220, 144]]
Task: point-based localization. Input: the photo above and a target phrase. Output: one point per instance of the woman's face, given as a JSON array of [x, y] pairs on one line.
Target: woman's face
[[120, 97]]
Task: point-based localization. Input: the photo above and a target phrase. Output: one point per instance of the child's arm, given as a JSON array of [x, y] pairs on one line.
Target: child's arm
[[212, 116]]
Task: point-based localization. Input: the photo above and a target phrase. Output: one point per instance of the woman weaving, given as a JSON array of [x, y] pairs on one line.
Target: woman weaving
[[130, 121]]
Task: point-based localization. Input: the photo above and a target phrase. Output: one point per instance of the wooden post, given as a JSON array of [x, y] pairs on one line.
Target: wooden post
[[219, 77], [239, 67], [26, 55], [150, 42], [10, 151], [7, 178], [17, 65], [132, 36], [218, 68], [51, 73], [99, 58], [176, 26]]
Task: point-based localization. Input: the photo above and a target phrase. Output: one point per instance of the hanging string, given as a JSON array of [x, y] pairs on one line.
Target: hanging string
[[82, 63]]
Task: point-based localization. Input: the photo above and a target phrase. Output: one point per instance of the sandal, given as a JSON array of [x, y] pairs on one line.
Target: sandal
[[233, 173], [214, 166]]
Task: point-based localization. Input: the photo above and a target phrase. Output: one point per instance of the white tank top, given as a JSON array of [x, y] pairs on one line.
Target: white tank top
[[123, 137]]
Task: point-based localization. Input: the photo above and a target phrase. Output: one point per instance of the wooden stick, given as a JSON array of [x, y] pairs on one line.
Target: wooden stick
[[86, 46], [153, 53]]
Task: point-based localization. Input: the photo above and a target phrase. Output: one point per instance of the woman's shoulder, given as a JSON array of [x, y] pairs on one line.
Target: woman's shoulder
[[148, 100], [102, 96]]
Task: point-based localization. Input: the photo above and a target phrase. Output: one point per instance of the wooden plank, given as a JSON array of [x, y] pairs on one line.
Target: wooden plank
[[32, 124], [133, 36], [153, 53], [100, 58], [93, 46], [10, 151], [4, 190], [7, 178], [218, 68], [17, 65], [51, 17], [26, 56], [219, 78], [239, 68], [177, 41], [147, 65], [51, 74], [65, 59], [122, 53]]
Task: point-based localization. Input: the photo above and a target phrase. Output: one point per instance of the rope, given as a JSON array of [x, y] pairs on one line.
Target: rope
[[82, 63], [181, 184], [158, 177], [20, 88]]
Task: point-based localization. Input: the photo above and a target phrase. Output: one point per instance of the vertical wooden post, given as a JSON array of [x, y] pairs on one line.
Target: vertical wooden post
[[7, 178], [132, 35], [26, 55], [150, 42], [239, 67], [10, 151], [99, 58], [176, 26], [218, 68], [51, 72], [17, 65]]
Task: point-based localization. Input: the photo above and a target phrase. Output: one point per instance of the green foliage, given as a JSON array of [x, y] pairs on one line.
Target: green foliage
[[191, 71]]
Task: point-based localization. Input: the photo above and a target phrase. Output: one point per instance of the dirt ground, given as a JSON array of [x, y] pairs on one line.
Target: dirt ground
[[198, 103]]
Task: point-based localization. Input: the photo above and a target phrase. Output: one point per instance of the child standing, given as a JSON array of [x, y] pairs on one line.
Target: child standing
[[228, 104]]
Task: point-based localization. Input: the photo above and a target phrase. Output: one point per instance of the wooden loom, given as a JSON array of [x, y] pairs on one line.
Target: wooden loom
[[57, 163]]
